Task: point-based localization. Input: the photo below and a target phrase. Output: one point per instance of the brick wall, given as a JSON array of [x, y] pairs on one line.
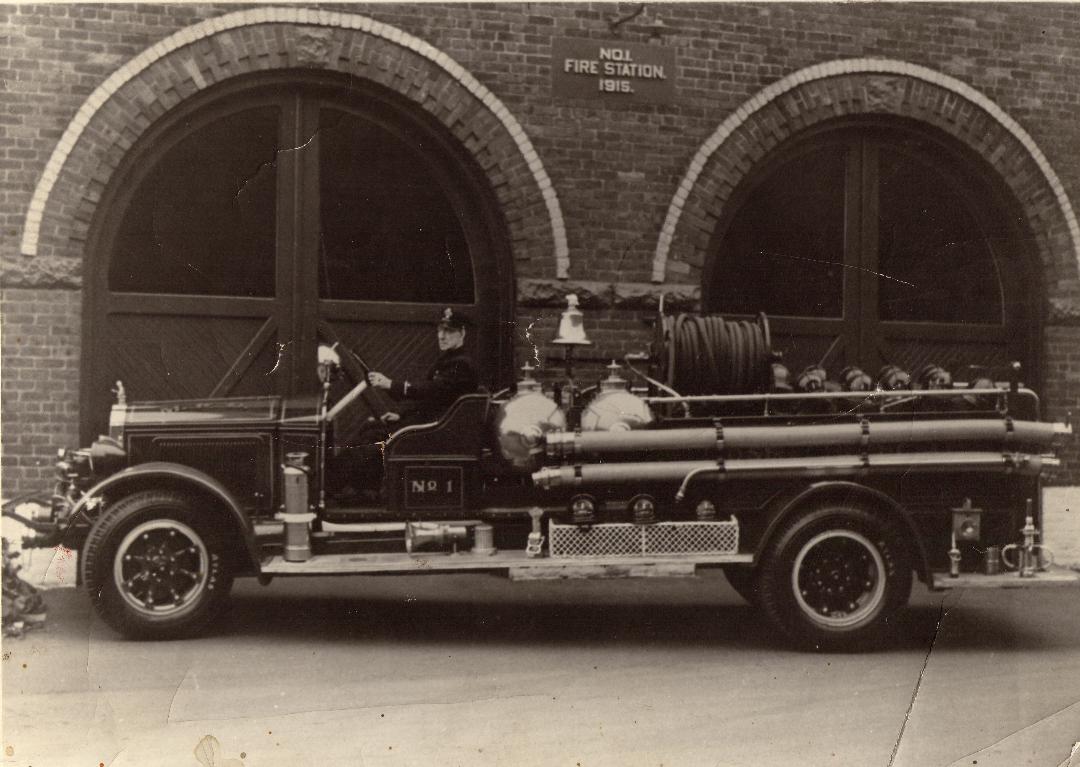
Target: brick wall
[[615, 168], [614, 333], [1061, 393], [41, 346]]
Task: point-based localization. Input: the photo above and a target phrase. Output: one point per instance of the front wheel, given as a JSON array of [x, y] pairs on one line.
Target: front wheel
[[155, 568], [832, 578]]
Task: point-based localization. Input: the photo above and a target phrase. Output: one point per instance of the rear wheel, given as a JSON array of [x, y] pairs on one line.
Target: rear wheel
[[832, 578], [155, 568]]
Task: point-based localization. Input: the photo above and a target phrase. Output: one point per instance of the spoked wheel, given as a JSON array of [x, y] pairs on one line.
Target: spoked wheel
[[160, 567], [839, 578], [832, 578], [155, 568]]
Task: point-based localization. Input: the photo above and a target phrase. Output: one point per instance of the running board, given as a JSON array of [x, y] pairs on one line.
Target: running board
[[513, 563], [1054, 575]]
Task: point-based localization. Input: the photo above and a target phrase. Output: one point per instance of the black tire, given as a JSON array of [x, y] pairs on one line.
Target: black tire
[[744, 581], [155, 568], [831, 579]]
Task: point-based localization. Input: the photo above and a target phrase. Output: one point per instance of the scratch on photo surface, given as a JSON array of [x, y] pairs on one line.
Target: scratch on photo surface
[[837, 263], [529, 339], [172, 700], [196, 269], [243, 185], [272, 164], [918, 682], [1002, 746], [280, 354], [305, 145]]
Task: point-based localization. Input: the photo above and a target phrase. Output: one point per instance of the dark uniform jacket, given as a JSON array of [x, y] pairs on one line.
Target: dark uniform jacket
[[452, 375]]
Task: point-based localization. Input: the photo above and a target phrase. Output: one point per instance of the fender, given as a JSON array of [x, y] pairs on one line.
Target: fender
[[849, 491], [187, 476]]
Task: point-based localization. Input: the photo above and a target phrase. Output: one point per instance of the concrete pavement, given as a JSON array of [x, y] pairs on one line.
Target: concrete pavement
[[475, 670]]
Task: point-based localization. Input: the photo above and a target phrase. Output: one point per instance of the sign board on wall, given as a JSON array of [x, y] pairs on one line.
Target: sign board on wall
[[616, 71]]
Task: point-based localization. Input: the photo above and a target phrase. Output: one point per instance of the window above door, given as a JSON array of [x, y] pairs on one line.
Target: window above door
[[864, 241], [388, 230], [204, 217], [202, 221]]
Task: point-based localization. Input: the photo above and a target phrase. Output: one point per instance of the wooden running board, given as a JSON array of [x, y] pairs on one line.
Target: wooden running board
[[513, 563]]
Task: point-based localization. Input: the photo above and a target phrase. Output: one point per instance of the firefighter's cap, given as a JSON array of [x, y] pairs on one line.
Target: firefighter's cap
[[454, 320]]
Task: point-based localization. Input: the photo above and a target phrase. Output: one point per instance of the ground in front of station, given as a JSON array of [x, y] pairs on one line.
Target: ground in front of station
[[477, 670]]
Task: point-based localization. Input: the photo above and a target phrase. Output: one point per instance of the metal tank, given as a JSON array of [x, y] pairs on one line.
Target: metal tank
[[614, 408], [523, 421]]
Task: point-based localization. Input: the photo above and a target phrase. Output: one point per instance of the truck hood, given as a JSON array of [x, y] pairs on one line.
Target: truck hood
[[230, 411]]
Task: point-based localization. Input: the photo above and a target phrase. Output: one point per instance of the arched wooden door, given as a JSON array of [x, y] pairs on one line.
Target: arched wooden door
[[261, 218], [878, 243]]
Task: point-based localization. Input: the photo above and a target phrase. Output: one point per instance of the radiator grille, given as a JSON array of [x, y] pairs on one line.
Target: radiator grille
[[624, 539], [236, 463]]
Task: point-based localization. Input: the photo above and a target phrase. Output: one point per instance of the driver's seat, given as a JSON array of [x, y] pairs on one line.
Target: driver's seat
[[462, 430]]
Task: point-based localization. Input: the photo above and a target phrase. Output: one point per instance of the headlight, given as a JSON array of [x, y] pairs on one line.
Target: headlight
[[73, 464], [80, 462], [106, 455]]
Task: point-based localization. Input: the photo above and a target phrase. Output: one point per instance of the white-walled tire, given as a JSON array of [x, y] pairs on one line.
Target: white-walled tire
[[155, 568], [833, 577]]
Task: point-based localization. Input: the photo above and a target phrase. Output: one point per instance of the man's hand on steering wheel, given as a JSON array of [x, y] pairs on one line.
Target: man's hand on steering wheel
[[378, 380]]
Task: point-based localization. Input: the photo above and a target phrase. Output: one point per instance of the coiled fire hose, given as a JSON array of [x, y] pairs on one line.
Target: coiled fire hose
[[710, 355]]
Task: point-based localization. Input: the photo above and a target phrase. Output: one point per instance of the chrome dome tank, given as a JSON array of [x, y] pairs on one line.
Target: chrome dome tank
[[615, 408], [523, 421]]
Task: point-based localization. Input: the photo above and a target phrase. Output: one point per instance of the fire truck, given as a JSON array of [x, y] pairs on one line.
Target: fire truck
[[820, 498]]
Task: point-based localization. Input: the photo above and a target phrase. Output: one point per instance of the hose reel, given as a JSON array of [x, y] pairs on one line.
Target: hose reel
[[707, 354]]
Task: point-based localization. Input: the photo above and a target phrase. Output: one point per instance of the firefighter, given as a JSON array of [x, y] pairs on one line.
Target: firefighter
[[452, 375]]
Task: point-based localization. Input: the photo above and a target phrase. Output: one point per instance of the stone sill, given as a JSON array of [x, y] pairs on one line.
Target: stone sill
[[608, 295]]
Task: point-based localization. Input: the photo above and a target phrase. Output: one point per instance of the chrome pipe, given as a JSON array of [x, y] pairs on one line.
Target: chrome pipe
[[819, 466], [841, 396], [568, 445]]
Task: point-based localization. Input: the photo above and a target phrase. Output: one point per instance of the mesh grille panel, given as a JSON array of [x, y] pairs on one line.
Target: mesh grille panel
[[624, 539]]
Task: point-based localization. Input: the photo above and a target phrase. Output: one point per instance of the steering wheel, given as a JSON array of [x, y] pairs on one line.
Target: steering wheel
[[365, 404]]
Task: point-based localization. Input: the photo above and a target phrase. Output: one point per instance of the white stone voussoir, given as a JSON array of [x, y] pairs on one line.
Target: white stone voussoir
[[278, 14]]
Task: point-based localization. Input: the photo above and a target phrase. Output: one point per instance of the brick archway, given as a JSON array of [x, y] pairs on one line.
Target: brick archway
[[857, 87], [113, 117]]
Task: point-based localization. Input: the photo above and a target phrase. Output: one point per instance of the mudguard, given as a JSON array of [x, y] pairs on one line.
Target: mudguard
[[849, 491], [176, 474]]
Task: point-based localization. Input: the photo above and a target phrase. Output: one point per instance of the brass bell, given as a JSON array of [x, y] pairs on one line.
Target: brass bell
[[571, 328]]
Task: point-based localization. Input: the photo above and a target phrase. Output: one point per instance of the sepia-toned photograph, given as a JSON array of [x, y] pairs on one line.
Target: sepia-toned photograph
[[554, 384]]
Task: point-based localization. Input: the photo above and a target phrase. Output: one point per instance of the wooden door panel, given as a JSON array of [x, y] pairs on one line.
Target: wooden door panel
[[261, 374], [398, 349], [175, 357], [801, 350], [911, 354], [220, 335], [806, 341]]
